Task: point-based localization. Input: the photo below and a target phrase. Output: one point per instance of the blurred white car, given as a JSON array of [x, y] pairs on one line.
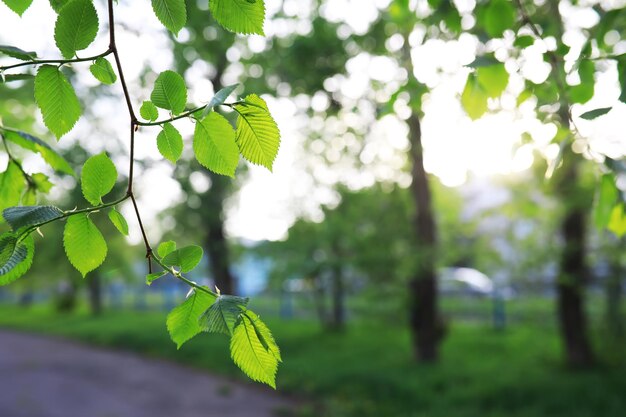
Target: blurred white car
[[465, 281]]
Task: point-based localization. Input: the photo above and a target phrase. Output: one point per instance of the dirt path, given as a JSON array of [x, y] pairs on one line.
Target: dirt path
[[44, 377]]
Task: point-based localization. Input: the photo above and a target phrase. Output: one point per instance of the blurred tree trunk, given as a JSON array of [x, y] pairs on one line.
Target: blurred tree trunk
[[95, 293], [614, 317], [338, 321], [573, 269], [424, 319]]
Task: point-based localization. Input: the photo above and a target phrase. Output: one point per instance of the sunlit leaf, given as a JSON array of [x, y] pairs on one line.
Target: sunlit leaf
[[182, 321], [84, 245], [103, 71], [474, 98], [33, 143], [170, 143], [493, 79], [170, 92], [76, 27], [98, 178], [186, 258], [258, 136], [118, 221], [18, 6], [166, 248], [214, 144], [11, 185], [17, 53], [499, 16], [253, 349], [171, 13], [57, 100], [149, 111], [241, 16]]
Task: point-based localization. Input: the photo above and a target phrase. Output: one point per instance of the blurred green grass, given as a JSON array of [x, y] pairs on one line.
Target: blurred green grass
[[368, 371]]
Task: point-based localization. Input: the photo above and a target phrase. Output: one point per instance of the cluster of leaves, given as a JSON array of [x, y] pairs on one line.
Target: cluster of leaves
[[489, 79], [216, 145]]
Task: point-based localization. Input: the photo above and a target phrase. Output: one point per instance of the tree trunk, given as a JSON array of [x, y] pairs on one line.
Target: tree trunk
[[423, 310], [95, 294], [216, 244], [573, 269], [339, 315]]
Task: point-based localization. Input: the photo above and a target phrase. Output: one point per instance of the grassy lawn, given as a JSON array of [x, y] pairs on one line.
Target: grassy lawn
[[368, 371]]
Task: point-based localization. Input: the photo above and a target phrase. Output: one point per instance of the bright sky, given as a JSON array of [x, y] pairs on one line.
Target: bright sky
[[267, 202]]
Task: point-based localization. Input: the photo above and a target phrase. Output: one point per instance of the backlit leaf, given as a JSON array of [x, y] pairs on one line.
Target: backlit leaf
[[214, 144], [493, 79], [169, 92], [186, 258], [258, 136], [166, 248], [84, 245], [103, 71], [171, 13], [617, 222], [253, 349], [182, 321], [150, 278], [499, 16], [11, 185], [149, 111], [97, 178], [76, 27], [474, 98], [18, 6], [170, 143], [30, 142], [608, 194], [241, 16], [118, 221], [57, 100]]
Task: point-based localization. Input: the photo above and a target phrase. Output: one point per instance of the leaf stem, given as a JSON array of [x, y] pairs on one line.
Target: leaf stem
[[180, 277], [57, 61], [171, 119]]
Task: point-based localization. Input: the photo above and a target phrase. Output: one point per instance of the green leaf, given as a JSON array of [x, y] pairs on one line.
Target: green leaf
[[169, 92], [103, 71], [32, 143], [42, 183], [258, 136], [621, 72], [474, 98], [150, 278], [523, 96], [18, 6], [605, 200], [499, 16], [483, 61], [617, 222], [166, 248], [149, 111], [182, 321], [57, 5], [57, 100], [592, 114], [214, 144], [524, 41], [170, 143], [172, 13], [241, 16], [253, 349], [97, 178], [583, 92], [76, 27], [11, 185], [223, 314], [84, 245], [17, 53], [493, 79], [27, 216], [219, 98], [7, 78], [15, 257], [118, 221], [186, 258]]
